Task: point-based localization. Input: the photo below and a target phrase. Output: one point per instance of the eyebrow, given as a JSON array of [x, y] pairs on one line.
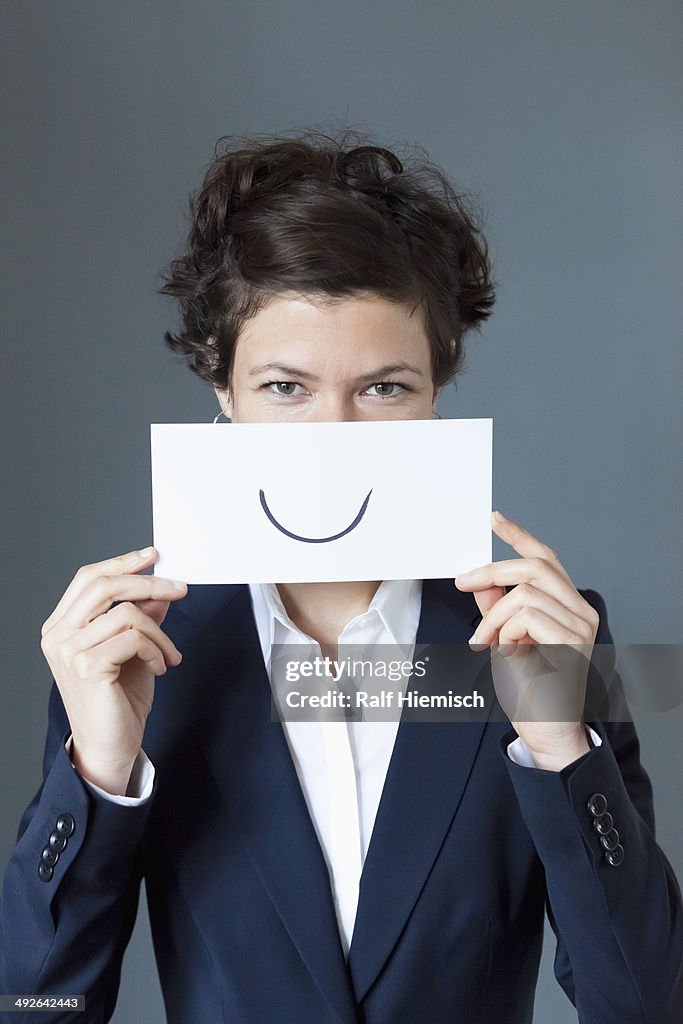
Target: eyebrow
[[293, 371]]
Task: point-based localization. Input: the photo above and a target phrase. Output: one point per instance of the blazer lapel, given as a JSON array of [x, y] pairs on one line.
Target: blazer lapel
[[428, 772], [253, 768]]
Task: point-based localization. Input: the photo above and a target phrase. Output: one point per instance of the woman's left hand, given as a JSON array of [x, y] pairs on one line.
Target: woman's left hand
[[544, 607]]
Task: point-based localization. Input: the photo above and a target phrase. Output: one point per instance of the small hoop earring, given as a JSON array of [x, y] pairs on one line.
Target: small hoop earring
[[218, 415]]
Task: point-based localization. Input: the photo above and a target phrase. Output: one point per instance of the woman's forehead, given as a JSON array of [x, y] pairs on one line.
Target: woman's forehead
[[364, 321]]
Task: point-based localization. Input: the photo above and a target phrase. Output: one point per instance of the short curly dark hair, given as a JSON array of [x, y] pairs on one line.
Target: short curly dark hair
[[324, 215]]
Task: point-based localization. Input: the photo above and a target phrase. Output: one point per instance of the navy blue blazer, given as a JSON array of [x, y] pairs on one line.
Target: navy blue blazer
[[468, 852]]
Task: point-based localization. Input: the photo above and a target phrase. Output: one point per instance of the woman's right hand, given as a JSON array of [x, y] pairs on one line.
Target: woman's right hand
[[104, 660]]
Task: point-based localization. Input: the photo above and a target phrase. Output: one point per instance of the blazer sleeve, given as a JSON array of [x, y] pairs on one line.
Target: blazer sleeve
[[618, 919], [65, 923]]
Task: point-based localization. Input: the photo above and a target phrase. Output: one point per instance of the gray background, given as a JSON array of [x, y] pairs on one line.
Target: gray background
[[563, 118]]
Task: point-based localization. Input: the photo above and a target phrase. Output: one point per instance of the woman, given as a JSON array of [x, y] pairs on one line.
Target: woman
[[372, 872]]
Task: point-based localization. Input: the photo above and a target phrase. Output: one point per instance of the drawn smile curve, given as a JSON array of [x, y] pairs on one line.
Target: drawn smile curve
[[314, 540]]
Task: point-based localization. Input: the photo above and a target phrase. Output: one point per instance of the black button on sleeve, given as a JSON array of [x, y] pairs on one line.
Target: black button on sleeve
[[65, 825], [603, 824], [597, 804], [616, 856], [44, 872], [49, 857], [56, 842], [610, 840]]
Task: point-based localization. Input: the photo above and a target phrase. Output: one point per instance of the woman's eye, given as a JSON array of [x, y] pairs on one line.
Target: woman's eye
[[283, 387], [384, 385], [287, 388]]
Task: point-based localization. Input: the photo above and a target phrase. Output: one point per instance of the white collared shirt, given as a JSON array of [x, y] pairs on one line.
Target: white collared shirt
[[342, 765]]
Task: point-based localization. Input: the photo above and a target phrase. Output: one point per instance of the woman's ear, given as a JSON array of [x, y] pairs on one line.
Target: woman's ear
[[224, 395], [225, 401]]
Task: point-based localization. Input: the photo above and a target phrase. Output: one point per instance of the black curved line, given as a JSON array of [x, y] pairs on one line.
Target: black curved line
[[314, 540]]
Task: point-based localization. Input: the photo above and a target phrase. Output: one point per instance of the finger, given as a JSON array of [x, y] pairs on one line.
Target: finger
[[511, 572], [486, 599], [133, 561], [521, 596], [102, 591], [524, 542], [102, 664], [542, 627], [156, 610], [116, 620]]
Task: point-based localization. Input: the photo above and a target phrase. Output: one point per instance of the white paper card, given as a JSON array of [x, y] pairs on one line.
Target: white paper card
[[316, 502]]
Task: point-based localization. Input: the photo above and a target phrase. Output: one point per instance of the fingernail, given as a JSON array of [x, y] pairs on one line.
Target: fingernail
[[465, 575], [499, 517], [146, 553], [178, 584], [473, 638]]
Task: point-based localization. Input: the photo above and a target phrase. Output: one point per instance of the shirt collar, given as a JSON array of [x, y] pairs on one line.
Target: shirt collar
[[397, 602]]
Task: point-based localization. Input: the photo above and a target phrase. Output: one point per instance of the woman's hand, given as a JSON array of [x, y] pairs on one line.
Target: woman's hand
[[104, 658], [546, 684]]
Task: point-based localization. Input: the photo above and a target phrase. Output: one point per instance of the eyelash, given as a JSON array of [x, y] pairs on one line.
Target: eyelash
[[403, 387]]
